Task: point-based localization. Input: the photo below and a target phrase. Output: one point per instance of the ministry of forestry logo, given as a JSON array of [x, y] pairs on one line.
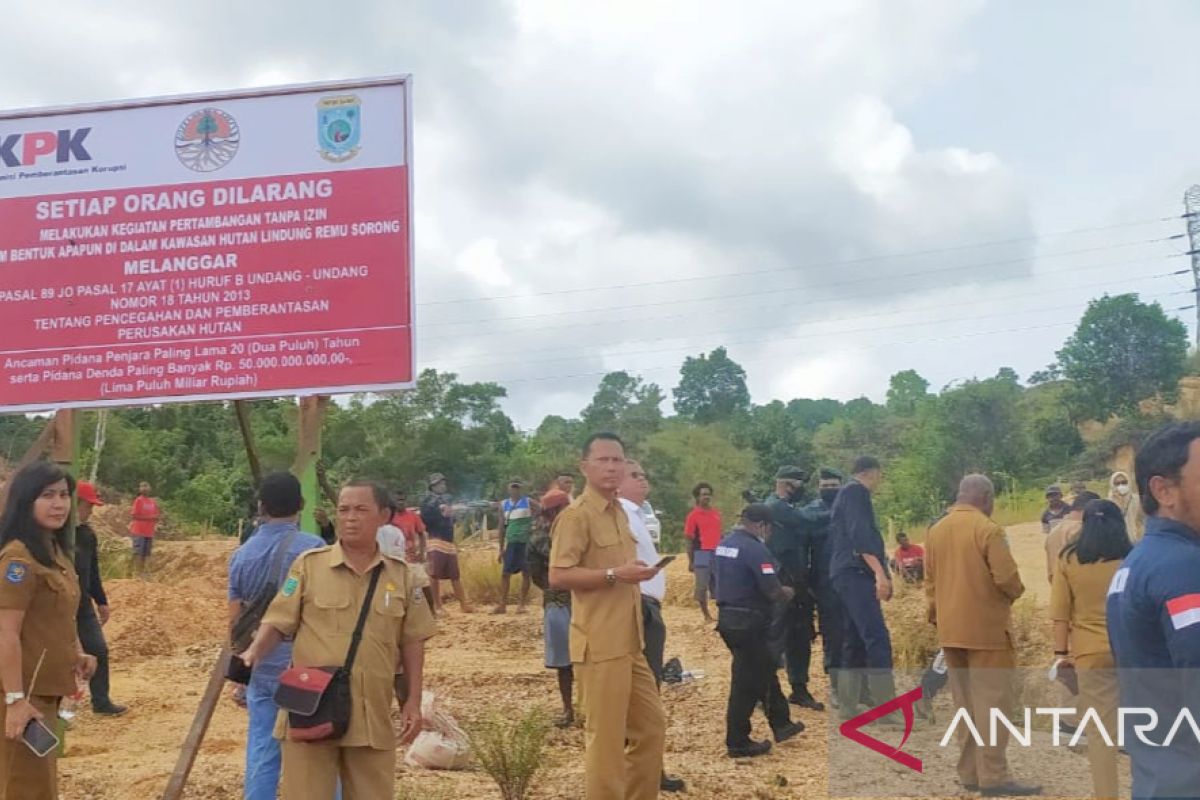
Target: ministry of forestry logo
[[339, 124], [207, 140]]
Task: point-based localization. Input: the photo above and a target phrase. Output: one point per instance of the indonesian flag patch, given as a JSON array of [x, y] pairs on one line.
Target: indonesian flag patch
[[769, 569], [1184, 610]]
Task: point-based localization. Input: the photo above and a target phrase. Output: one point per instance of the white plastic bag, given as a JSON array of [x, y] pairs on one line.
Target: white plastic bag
[[442, 744]]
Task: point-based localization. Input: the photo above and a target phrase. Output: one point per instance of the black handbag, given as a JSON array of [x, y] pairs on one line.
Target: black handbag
[[317, 699], [241, 632]]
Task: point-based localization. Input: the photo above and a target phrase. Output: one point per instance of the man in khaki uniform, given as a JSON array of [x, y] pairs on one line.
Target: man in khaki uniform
[[318, 605], [594, 555], [971, 581]]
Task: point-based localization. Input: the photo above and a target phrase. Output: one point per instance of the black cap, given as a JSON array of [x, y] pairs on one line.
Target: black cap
[[757, 512], [791, 473], [830, 474]]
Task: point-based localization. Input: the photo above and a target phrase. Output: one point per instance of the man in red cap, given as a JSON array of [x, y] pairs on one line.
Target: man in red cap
[[90, 619]]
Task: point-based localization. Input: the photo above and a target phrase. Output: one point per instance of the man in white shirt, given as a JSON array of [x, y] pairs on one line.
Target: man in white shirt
[[633, 492]]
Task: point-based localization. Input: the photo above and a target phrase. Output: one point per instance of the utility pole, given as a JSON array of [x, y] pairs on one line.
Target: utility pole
[[1191, 208]]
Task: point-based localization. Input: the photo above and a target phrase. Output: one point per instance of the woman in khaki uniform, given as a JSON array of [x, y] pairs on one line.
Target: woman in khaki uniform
[[1077, 604], [40, 654]]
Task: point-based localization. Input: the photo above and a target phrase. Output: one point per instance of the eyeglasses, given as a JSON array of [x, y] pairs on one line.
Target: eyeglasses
[[639, 476]]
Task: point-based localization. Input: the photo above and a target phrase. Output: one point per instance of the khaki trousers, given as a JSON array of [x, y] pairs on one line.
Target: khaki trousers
[[24, 776], [625, 730], [311, 771], [981, 680], [1098, 689]]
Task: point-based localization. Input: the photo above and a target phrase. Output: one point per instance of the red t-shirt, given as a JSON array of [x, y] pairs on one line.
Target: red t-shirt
[[147, 508], [910, 556], [705, 522], [410, 522], [553, 502]]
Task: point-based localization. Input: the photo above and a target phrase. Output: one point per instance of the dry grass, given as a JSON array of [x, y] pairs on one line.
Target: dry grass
[[479, 567], [914, 640]]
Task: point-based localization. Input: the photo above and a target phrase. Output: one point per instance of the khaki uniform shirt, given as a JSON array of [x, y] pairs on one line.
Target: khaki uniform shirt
[[319, 604], [594, 533], [971, 581], [49, 596], [1063, 534], [1078, 596]]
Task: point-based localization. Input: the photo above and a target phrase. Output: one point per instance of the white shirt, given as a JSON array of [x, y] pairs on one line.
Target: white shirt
[[656, 587], [391, 541]]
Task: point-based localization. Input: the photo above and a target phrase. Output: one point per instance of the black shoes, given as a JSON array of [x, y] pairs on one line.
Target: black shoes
[[669, 784], [1010, 789], [804, 699], [750, 750], [792, 730], [110, 710]]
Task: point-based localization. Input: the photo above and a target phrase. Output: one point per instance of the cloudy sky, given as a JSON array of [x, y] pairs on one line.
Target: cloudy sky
[[836, 191]]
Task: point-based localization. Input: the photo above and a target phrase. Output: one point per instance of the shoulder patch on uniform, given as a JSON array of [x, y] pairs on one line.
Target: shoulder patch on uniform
[[727, 552], [290, 586], [1184, 611], [1119, 578], [16, 572], [768, 569]]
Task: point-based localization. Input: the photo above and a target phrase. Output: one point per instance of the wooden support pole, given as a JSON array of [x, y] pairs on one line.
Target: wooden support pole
[[242, 412], [64, 451], [308, 454], [195, 737]]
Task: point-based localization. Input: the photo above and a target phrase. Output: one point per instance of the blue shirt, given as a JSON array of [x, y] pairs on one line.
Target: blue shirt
[[249, 575], [745, 572], [853, 531], [1153, 614]]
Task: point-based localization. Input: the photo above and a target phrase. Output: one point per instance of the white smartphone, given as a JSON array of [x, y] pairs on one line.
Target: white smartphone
[[38, 738]]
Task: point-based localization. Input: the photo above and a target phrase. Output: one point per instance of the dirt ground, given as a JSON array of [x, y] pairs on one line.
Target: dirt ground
[[166, 632]]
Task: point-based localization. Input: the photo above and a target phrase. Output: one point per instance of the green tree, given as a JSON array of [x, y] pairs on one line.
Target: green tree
[[625, 405], [712, 388], [906, 391], [1123, 352], [682, 454]]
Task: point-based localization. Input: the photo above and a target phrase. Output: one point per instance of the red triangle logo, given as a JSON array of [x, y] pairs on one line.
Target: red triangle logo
[[852, 729]]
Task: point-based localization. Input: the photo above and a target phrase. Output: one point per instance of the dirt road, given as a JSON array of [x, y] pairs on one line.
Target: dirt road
[[165, 635]]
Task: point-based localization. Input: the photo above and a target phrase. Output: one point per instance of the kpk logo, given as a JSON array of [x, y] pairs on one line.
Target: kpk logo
[[26, 149]]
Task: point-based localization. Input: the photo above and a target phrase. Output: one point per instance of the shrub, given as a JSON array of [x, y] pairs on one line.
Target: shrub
[[511, 750]]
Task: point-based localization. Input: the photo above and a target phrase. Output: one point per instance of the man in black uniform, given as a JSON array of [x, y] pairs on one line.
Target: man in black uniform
[[89, 619], [790, 544], [817, 515], [858, 566], [746, 587]]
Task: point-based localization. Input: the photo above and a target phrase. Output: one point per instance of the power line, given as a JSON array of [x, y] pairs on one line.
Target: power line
[[760, 292], [804, 267], [792, 324], [897, 326], [752, 359], [835, 300]]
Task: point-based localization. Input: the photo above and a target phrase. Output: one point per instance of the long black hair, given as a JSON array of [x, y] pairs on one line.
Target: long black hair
[[18, 523], [1104, 537]]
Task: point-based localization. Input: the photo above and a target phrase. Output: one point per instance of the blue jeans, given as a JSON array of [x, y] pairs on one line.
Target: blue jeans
[[263, 757], [262, 748]]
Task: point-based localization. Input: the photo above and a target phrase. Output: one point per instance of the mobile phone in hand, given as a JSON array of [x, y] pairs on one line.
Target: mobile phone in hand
[[38, 738], [662, 562]]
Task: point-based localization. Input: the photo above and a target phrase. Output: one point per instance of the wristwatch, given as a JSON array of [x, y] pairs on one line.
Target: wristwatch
[[610, 577], [13, 697]]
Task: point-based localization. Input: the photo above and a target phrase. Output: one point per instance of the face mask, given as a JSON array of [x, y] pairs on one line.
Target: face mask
[[1123, 489], [829, 495]]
